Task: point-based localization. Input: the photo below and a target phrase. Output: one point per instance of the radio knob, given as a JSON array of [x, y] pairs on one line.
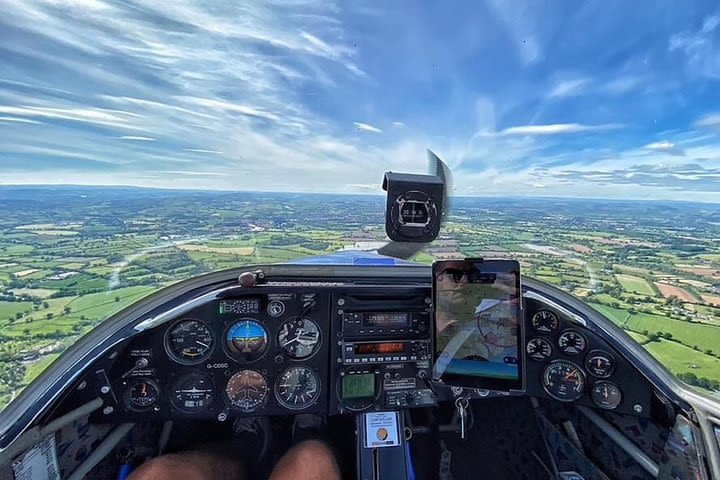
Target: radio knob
[[409, 399]]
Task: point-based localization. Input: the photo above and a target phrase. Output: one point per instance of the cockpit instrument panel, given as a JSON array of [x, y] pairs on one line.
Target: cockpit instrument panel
[[571, 363]]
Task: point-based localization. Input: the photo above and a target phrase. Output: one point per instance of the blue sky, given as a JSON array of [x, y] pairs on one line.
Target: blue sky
[[594, 98]]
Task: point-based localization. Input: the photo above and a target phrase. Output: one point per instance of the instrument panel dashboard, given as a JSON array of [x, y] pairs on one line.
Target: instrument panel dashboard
[[278, 350], [572, 364], [263, 353]]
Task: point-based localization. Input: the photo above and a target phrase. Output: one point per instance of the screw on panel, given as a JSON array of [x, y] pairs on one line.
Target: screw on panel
[[222, 416], [104, 389], [108, 410], [82, 385], [638, 408], [341, 301]]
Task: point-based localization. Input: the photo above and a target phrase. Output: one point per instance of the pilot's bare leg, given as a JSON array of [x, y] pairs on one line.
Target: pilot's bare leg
[[309, 460], [190, 466]]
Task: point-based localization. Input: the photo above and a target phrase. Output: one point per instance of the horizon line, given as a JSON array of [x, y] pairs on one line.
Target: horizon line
[[380, 192]]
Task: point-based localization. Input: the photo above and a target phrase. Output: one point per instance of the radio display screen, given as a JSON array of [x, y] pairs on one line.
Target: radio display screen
[[380, 347], [358, 386], [386, 319]]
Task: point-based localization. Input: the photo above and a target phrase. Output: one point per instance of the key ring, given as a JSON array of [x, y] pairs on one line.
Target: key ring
[[462, 402]]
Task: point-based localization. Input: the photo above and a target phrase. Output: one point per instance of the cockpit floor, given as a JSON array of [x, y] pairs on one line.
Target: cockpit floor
[[504, 442]]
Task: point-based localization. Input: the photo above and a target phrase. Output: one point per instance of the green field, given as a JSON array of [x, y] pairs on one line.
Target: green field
[[616, 315], [707, 337], [35, 368], [10, 309], [102, 305], [679, 358], [635, 284]]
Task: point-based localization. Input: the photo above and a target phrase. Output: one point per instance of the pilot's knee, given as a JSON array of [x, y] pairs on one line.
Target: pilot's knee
[[186, 466], [309, 459], [160, 468]]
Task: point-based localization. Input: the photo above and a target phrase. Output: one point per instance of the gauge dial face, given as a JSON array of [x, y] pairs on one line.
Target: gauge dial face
[[563, 381], [572, 342], [539, 349], [246, 340], [192, 393], [142, 395], [600, 364], [189, 342], [545, 321], [299, 337], [297, 388], [606, 395], [247, 390]]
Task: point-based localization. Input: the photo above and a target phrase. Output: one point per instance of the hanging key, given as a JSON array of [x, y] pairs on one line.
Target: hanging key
[[461, 405]]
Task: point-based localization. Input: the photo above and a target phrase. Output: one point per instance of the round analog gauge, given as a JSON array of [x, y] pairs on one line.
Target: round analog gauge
[[192, 393], [188, 342], [246, 390], [299, 337], [545, 321], [142, 395], [606, 395], [600, 364], [246, 340], [297, 388], [539, 349], [563, 381], [572, 342]]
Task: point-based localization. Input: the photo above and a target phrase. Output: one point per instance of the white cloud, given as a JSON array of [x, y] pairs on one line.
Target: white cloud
[[660, 146], [18, 120], [233, 107], [711, 121], [135, 138], [99, 116], [200, 150], [398, 124], [366, 127], [570, 88], [364, 186], [666, 147], [622, 84], [553, 129], [700, 48]]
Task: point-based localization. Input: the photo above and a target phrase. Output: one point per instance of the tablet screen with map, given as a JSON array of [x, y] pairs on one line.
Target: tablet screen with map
[[478, 324]]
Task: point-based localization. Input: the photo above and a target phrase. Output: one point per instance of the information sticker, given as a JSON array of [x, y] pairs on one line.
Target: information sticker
[[38, 463], [381, 430]]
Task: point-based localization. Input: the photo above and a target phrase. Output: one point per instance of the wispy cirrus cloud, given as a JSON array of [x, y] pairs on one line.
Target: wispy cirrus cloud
[[665, 146], [570, 88], [553, 129], [136, 138], [366, 127]]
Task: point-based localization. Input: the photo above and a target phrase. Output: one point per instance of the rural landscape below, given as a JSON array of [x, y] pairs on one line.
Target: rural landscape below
[[72, 256]]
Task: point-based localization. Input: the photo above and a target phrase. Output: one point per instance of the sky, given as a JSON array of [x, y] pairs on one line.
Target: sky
[[609, 99]]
